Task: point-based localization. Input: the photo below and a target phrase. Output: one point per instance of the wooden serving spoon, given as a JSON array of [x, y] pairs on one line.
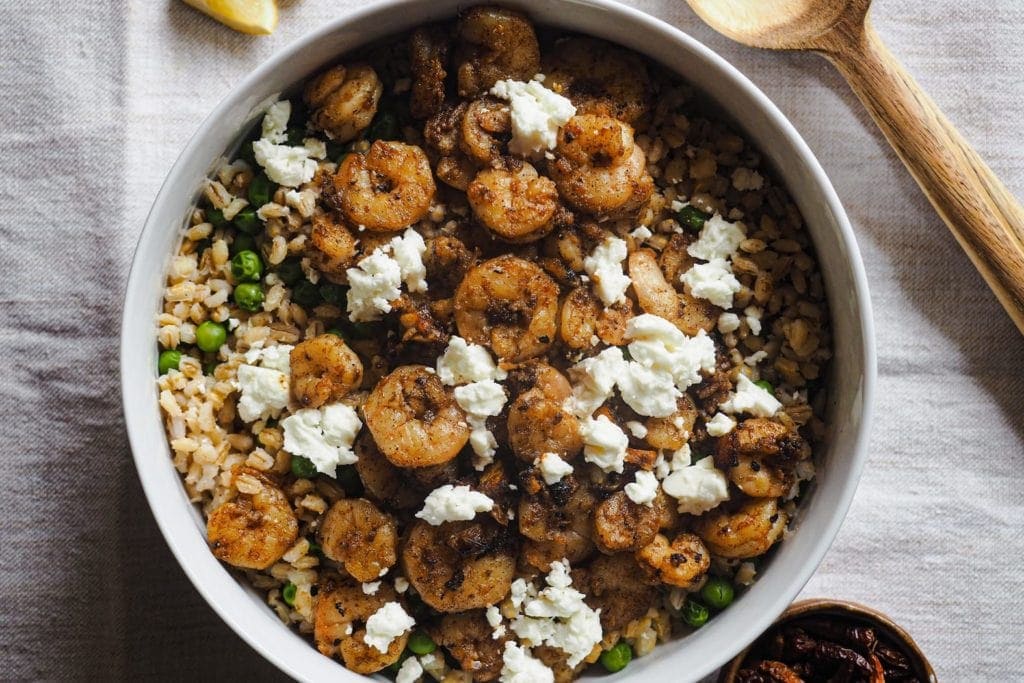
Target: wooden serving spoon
[[984, 217]]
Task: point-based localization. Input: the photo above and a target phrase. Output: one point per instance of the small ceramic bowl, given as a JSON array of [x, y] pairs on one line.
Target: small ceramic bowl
[[850, 612]]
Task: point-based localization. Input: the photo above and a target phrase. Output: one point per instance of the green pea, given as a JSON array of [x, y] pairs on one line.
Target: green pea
[[247, 221], [384, 126], [306, 294], [616, 658], [249, 295], [288, 593], [169, 360], [247, 266], [717, 592], [290, 271], [349, 480], [215, 217], [420, 643], [242, 242], [210, 336], [334, 294], [695, 614], [692, 218], [260, 190], [303, 468], [766, 385]]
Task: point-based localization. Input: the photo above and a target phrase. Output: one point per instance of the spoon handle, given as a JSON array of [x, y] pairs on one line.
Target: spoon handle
[[982, 214]]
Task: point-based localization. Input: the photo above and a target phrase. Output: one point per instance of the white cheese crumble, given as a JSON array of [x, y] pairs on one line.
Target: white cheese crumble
[[745, 574], [401, 584], [450, 503], [273, 357], [264, 392], [594, 380], [752, 314], [407, 251], [659, 345], [493, 615], [552, 468], [728, 322], [519, 666], [386, 624], [604, 444], [648, 392], [637, 429], [661, 467], [373, 284], [698, 488], [641, 234], [558, 616], [604, 266], [681, 458], [481, 400], [713, 281], [285, 165], [644, 489], [371, 588], [720, 425], [462, 362], [410, 672], [324, 435], [719, 239], [750, 398], [753, 359], [537, 113]]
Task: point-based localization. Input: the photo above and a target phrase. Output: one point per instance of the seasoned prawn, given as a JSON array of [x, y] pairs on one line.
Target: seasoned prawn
[[388, 188], [697, 314], [468, 638], [620, 524], [658, 297], [584, 320], [255, 529], [513, 201], [682, 563], [486, 127], [538, 421], [428, 57], [414, 418], [339, 618], [324, 369], [617, 586], [459, 566], [673, 432], [598, 168], [556, 521], [742, 532], [494, 44], [599, 78], [344, 100], [335, 247], [364, 539], [383, 482], [758, 456], [510, 305]]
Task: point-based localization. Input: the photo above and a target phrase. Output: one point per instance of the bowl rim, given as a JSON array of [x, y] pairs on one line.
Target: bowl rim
[[168, 518]]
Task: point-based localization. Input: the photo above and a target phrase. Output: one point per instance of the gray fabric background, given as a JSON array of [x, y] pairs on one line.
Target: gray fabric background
[[99, 97]]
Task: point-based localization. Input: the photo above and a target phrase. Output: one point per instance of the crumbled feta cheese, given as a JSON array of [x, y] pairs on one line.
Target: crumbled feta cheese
[[745, 574], [752, 314], [373, 284], [559, 617], [658, 344], [401, 584], [275, 122], [604, 266], [481, 400], [324, 435], [410, 672], [273, 357], [720, 425], [452, 504], [661, 467], [537, 113], [713, 281], [719, 239], [493, 615], [728, 322], [681, 458], [641, 234], [697, 488], [647, 391], [371, 588], [643, 489], [407, 251], [750, 398], [285, 165], [637, 429], [386, 624], [264, 392], [604, 444], [483, 443], [521, 667], [552, 468], [462, 362], [753, 359], [594, 380]]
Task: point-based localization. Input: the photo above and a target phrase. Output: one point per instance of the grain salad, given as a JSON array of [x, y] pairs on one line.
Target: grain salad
[[493, 354]]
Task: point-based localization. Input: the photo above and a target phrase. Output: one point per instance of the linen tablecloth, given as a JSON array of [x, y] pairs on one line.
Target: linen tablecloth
[[99, 98]]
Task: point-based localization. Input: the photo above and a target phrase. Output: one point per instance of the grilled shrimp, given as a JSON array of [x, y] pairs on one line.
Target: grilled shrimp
[[682, 563], [361, 537], [510, 305], [459, 566], [324, 370], [598, 169], [745, 531], [344, 100], [617, 586], [339, 619], [620, 524], [468, 638], [486, 126], [414, 418], [513, 201], [556, 521], [658, 297], [334, 247], [759, 455], [697, 314], [388, 188], [672, 432], [255, 529], [585, 320], [494, 44], [538, 422], [599, 78], [383, 482], [428, 57]]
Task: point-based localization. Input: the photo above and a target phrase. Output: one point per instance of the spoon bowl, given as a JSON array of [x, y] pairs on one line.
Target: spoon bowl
[[779, 24]]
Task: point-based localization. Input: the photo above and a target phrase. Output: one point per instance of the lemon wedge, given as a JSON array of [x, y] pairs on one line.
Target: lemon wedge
[[247, 16]]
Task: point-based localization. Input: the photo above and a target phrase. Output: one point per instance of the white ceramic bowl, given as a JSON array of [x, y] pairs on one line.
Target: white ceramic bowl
[[853, 370]]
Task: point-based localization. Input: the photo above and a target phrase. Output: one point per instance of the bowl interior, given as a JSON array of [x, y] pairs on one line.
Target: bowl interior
[[852, 372]]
